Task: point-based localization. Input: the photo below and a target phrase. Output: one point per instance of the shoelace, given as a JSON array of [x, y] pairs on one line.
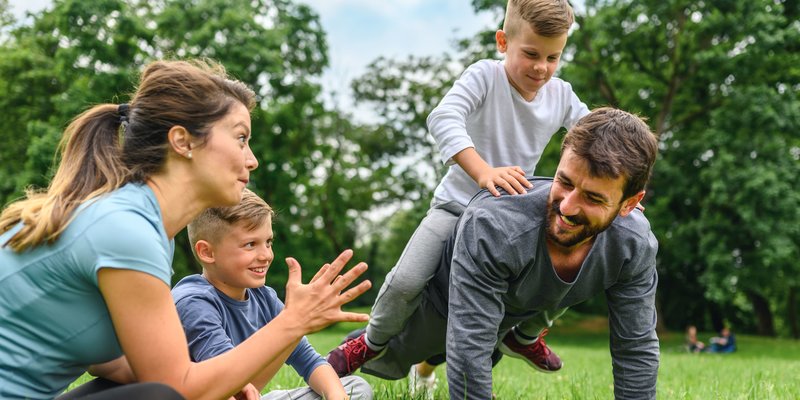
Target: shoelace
[[541, 344], [359, 349]]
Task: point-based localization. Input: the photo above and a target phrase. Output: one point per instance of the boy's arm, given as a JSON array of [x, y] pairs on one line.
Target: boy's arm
[[326, 383], [512, 179], [447, 124]]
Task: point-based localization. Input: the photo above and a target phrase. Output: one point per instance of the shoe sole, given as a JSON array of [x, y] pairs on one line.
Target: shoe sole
[[507, 351]]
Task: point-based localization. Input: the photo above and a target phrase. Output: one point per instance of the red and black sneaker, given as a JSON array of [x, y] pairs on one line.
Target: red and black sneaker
[[536, 354], [351, 355]]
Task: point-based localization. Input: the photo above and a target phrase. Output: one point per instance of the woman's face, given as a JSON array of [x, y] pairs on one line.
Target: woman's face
[[224, 161]]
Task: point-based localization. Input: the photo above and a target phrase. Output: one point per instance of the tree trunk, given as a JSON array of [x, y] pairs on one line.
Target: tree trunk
[[791, 307], [766, 325], [717, 319]]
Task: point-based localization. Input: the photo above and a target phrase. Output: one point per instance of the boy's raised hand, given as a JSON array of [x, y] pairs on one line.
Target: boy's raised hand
[[512, 179], [319, 303]]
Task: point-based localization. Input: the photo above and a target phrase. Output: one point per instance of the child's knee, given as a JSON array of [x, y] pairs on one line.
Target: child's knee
[[357, 388]]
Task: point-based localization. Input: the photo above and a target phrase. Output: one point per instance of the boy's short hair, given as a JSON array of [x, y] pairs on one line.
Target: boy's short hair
[[615, 143], [546, 17], [215, 222]]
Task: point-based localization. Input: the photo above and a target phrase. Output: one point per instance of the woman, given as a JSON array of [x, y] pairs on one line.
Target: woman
[[85, 266]]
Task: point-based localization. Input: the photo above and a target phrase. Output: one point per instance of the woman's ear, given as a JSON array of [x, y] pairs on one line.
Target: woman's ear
[[180, 140]]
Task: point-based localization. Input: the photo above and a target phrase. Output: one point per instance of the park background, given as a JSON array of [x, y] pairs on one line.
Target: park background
[[354, 167]]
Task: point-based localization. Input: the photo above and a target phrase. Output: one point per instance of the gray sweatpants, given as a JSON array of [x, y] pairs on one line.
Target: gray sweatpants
[[422, 338], [355, 387], [401, 292]]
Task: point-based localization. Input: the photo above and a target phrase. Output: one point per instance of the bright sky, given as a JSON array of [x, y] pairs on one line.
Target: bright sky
[[359, 31]]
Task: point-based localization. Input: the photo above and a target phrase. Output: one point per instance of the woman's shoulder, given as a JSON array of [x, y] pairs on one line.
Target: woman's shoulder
[[130, 208]]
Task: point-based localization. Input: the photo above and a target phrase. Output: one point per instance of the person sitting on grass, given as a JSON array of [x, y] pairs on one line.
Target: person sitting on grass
[[229, 302], [692, 344], [563, 242], [724, 343], [86, 264]]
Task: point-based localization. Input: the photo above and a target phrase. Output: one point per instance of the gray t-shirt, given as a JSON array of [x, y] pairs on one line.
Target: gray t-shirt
[[496, 273]]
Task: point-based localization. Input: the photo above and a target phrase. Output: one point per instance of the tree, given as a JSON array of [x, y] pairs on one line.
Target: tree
[[691, 67], [318, 170]]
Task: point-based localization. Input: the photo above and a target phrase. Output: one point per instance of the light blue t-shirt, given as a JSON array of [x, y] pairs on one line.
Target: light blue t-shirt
[[53, 319], [215, 323]]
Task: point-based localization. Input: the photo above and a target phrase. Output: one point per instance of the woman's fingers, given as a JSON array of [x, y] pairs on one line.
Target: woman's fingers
[[295, 272], [337, 265], [342, 281], [352, 317], [354, 292], [320, 273]]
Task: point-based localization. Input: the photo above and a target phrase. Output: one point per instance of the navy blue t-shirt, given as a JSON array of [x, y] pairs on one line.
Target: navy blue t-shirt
[[214, 323]]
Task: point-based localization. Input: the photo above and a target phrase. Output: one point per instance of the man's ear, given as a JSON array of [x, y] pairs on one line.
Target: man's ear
[[629, 204], [204, 251], [180, 140], [501, 40]]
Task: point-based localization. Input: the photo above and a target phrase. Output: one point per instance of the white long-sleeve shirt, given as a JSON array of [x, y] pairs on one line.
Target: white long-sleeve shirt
[[482, 110]]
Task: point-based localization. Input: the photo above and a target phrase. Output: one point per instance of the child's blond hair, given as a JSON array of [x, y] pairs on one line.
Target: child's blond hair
[[215, 222], [546, 17]]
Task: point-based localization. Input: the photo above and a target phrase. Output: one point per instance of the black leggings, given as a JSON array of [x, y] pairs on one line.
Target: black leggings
[[102, 389]]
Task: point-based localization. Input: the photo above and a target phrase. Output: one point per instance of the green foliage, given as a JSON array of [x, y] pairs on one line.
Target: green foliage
[[717, 88], [717, 80], [321, 172]]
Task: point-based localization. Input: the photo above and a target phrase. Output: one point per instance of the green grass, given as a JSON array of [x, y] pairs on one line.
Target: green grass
[[762, 368]]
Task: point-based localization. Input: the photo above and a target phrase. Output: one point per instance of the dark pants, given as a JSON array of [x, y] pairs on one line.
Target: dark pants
[[102, 389], [422, 339]]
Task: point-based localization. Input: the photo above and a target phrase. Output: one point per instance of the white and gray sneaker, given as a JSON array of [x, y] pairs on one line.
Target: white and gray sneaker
[[421, 387]]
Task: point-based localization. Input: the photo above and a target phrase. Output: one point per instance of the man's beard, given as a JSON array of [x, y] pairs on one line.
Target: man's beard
[[568, 240]]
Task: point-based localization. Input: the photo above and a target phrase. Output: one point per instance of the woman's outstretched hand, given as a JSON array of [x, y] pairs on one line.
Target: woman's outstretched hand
[[319, 303]]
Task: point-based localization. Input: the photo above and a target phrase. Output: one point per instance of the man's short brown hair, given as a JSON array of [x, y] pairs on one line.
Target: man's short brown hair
[[615, 143]]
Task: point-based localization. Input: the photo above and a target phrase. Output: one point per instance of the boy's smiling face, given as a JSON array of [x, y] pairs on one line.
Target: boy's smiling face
[[240, 259], [531, 59]]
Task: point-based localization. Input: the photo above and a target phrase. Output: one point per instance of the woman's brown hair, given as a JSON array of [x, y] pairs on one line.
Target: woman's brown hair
[[109, 145]]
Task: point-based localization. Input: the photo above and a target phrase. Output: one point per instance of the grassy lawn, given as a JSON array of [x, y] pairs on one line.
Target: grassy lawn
[[761, 369]]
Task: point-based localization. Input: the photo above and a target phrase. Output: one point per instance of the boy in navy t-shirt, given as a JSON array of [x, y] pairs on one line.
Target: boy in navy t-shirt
[[228, 302]]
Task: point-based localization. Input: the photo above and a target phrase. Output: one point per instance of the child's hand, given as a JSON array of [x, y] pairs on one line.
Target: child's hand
[[512, 179], [319, 303], [249, 392]]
